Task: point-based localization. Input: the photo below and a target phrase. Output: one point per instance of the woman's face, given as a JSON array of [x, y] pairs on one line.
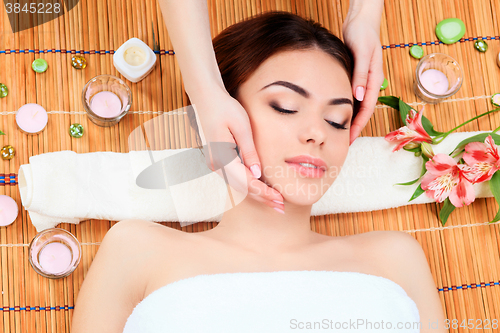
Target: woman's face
[[313, 85]]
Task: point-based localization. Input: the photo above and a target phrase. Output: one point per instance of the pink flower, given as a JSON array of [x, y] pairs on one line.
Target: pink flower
[[445, 178], [483, 158], [413, 132]]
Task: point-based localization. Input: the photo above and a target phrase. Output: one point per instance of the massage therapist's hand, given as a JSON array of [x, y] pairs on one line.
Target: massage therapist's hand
[[361, 31], [223, 119]]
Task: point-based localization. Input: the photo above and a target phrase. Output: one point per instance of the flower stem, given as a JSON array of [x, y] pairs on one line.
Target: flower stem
[[496, 129], [445, 134]]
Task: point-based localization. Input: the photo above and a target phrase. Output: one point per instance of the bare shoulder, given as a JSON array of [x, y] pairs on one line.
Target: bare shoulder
[[115, 281], [405, 263]]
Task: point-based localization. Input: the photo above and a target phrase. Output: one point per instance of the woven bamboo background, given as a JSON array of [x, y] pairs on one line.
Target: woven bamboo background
[[463, 256]]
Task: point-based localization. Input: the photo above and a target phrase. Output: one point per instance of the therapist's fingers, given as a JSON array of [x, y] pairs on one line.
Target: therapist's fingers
[[242, 133], [240, 179], [367, 106]]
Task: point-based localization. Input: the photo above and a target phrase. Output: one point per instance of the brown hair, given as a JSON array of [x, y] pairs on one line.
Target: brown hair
[[242, 47]]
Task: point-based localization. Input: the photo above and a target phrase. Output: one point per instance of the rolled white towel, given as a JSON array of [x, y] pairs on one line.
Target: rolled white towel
[[68, 187]]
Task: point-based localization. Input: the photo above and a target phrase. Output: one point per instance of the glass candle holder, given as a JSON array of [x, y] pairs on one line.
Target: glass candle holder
[[438, 76], [106, 99], [54, 253]]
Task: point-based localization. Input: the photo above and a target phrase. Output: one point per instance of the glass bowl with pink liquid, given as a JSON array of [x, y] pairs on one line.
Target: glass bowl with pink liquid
[[438, 76], [106, 99], [54, 253]]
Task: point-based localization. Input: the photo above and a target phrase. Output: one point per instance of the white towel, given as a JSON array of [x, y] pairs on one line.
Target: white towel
[[282, 301], [68, 187]]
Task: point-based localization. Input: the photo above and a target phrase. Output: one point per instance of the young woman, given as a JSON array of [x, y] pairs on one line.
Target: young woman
[[292, 77]]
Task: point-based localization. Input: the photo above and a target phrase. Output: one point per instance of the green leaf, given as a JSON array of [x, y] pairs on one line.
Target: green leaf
[[424, 169], [417, 193], [446, 211], [428, 127], [478, 138], [413, 150], [403, 110], [2, 133], [391, 101], [495, 189]]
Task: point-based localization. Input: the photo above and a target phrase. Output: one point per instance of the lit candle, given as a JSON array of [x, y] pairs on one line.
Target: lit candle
[[434, 81], [31, 118], [55, 258], [134, 59], [8, 210], [106, 104]]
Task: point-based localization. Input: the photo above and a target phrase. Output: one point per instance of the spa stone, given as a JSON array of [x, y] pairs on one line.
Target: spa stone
[[480, 45], [384, 84], [450, 30], [416, 51], [39, 65], [78, 62], [8, 152], [76, 130], [4, 91]]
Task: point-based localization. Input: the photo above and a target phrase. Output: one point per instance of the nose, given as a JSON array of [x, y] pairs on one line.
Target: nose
[[314, 131]]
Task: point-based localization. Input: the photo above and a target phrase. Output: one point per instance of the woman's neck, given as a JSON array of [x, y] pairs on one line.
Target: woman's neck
[[259, 228]]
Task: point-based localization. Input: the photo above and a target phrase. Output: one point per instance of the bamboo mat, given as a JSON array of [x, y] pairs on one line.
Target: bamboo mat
[[463, 256]]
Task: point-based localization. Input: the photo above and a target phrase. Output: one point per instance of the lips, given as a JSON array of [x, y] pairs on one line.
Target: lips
[[317, 162]]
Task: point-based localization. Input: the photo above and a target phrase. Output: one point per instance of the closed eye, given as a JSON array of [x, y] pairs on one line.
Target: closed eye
[[336, 125]]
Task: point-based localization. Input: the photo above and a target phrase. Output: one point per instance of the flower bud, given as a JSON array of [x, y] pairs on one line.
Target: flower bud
[[427, 150], [411, 145]]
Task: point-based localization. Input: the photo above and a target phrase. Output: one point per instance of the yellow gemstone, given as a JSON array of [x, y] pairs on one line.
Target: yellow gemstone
[[8, 152], [78, 62]]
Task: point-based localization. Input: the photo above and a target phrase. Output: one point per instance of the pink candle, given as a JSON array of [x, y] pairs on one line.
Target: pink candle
[[106, 104], [8, 210], [55, 258], [434, 81], [31, 118]]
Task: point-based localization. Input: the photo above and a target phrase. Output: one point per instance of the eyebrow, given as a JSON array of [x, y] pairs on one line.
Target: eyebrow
[[305, 93]]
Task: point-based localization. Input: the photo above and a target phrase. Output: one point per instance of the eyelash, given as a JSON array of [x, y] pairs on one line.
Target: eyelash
[[335, 125]]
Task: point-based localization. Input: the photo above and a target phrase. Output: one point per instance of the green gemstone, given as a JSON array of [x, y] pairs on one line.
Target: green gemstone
[[4, 91], [39, 65], [78, 62], [384, 84], [8, 152], [76, 130], [416, 51], [481, 45], [495, 99], [450, 31]]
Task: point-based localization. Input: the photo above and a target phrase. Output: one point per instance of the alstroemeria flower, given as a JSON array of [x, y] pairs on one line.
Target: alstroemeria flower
[[483, 158], [445, 178], [412, 132]]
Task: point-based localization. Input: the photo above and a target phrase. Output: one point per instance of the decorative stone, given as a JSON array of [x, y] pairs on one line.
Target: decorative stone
[[416, 51], [450, 31], [384, 84], [495, 99], [481, 45], [4, 91], [78, 62], [76, 130], [39, 65], [8, 152]]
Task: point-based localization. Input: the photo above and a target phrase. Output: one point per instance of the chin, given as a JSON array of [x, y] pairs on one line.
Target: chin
[[302, 192]]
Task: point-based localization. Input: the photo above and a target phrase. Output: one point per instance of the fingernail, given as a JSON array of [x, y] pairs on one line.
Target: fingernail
[[360, 93], [255, 171], [278, 202], [279, 210]]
